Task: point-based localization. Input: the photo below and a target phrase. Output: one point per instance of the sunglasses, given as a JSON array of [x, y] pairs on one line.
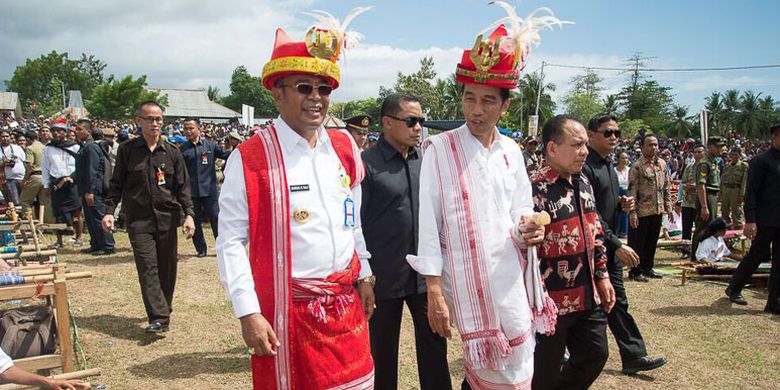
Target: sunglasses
[[410, 121], [609, 133], [307, 89]]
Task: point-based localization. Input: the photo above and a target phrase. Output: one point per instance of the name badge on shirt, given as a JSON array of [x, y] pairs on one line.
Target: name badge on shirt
[[349, 212], [299, 187], [204, 159], [160, 175]]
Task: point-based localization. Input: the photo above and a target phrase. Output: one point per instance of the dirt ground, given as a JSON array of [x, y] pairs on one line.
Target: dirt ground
[[710, 343]]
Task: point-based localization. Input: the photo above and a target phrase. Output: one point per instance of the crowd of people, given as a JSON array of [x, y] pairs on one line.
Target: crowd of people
[[323, 236]]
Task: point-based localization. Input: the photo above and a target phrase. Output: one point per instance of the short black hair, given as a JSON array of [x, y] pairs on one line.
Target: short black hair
[[392, 103], [775, 129], [646, 136], [595, 122], [84, 120], [147, 103], [699, 146], [192, 119], [504, 93], [553, 129]]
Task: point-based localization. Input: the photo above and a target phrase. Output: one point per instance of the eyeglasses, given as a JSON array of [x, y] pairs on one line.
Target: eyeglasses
[[410, 121], [307, 89], [157, 119], [609, 133]]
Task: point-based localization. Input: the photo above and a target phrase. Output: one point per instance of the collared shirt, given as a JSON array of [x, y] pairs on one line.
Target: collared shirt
[[390, 218], [57, 163], [649, 185], [34, 156], [89, 168], [735, 177], [604, 180], [763, 189], [708, 173], [152, 186], [572, 255], [688, 177], [200, 159], [320, 246], [16, 154]]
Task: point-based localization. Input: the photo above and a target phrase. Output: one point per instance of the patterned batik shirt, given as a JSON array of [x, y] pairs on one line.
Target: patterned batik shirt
[[572, 255], [649, 184]]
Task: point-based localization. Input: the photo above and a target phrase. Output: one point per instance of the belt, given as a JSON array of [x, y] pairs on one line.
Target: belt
[[35, 173], [732, 185], [713, 190]]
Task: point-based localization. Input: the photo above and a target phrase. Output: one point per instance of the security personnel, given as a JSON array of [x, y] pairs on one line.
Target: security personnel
[[91, 170], [732, 194], [707, 188], [150, 179], [358, 128], [200, 154]]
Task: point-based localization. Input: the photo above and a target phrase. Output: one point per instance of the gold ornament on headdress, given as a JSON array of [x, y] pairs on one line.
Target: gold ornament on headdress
[[329, 36], [485, 54], [323, 44]]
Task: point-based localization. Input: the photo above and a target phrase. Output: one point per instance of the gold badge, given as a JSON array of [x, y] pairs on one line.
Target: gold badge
[[485, 54], [322, 43], [301, 215], [364, 122]]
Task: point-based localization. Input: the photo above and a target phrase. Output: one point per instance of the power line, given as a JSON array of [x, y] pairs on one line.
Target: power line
[[666, 69]]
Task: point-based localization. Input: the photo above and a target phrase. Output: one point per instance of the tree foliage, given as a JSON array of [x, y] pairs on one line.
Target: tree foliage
[[588, 83], [523, 103], [118, 98], [41, 81], [248, 89], [582, 106], [370, 107]]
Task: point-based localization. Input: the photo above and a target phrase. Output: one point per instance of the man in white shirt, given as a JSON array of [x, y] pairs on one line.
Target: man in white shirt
[[292, 193], [476, 248], [59, 164], [11, 374], [12, 159]]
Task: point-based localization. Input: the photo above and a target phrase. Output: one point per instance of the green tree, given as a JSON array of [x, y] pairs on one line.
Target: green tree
[[649, 102], [213, 93], [43, 80], [611, 104], [247, 89], [749, 119], [523, 103], [630, 128], [346, 110], [118, 98], [451, 94], [423, 85], [582, 106], [588, 83], [717, 118], [681, 125]]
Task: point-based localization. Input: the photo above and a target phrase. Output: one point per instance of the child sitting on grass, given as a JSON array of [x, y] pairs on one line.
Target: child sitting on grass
[[712, 248]]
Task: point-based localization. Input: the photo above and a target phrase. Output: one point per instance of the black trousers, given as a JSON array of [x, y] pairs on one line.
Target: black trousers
[[206, 209], [701, 224], [688, 216], [766, 236], [585, 336], [621, 323], [644, 240], [384, 329], [93, 217], [156, 259]]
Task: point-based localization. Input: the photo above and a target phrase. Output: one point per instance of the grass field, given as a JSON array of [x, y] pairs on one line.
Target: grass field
[[710, 343]]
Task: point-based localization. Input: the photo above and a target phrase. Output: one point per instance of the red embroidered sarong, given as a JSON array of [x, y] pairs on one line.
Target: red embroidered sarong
[[323, 349]]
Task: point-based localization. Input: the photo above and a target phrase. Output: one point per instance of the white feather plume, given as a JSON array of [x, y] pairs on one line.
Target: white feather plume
[[349, 39], [523, 33]]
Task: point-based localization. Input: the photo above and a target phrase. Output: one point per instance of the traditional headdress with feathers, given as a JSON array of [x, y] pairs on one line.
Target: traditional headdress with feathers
[[327, 22]]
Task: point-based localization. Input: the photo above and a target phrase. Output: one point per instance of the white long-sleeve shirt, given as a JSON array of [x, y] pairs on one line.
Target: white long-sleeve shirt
[[57, 163], [320, 246], [712, 249], [15, 153]]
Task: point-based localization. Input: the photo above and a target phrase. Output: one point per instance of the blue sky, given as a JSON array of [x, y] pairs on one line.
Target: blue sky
[[183, 44]]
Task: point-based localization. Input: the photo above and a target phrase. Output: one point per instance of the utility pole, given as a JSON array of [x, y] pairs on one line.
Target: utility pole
[[539, 91]]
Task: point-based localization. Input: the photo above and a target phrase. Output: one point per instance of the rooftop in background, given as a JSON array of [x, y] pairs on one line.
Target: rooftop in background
[[9, 101], [194, 103]]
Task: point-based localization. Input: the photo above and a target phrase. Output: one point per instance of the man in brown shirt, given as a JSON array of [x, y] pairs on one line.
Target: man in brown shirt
[[150, 179], [648, 184]]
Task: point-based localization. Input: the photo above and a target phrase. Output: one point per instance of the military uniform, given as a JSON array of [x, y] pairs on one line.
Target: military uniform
[[732, 191], [708, 174]]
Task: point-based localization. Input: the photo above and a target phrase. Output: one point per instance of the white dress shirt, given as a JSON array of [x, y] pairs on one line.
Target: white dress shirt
[[16, 153], [320, 246], [57, 163], [5, 362], [712, 249]]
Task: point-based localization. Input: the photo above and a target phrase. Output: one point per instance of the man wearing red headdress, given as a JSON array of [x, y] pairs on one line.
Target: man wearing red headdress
[[476, 246], [304, 290]]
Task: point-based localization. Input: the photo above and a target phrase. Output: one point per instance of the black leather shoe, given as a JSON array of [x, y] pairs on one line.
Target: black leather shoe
[[103, 252], [639, 278], [201, 254], [157, 327], [735, 297], [653, 275], [643, 364], [89, 250]]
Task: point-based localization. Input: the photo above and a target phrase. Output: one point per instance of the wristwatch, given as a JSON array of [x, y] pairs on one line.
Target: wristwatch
[[601, 274], [371, 279]]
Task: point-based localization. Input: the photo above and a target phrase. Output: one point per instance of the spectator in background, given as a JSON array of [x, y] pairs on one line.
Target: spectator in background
[[733, 187], [357, 126], [707, 187], [233, 140], [32, 185], [622, 169], [12, 161], [57, 167], [44, 135], [200, 155], [686, 197], [530, 154], [91, 174]]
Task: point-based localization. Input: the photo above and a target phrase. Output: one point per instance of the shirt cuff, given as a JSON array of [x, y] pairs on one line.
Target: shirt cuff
[[365, 269], [426, 266], [245, 304]]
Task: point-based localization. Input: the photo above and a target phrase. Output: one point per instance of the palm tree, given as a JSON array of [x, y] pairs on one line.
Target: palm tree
[[611, 104], [213, 93], [524, 102], [451, 96], [680, 126], [731, 105], [716, 116], [748, 119]]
